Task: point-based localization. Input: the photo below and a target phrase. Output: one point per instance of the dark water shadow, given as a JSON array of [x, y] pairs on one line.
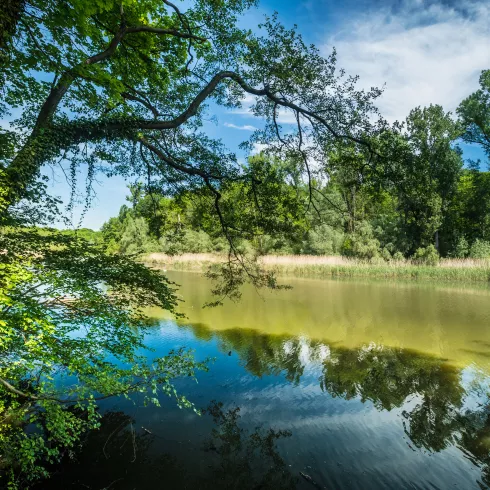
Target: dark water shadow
[[119, 456]]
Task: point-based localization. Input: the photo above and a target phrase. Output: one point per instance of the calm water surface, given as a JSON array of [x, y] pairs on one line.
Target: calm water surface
[[333, 384]]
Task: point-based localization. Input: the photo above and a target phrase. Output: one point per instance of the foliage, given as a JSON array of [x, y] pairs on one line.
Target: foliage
[[323, 240], [135, 237], [426, 256], [480, 249], [362, 243], [422, 171], [419, 195], [70, 311], [123, 88], [462, 248], [474, 113]]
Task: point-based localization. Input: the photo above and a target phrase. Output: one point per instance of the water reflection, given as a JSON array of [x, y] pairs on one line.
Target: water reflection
[[370, 417], [448, 323], [120, 456], [248, 460], [439, 411]]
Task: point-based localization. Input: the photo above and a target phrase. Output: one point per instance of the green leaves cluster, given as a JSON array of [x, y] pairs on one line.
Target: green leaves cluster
[[72, 324]]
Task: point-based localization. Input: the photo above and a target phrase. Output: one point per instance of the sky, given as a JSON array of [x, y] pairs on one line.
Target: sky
[[421, 51]]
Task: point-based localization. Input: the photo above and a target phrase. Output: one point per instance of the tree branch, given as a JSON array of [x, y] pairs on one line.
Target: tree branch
[[150, 107], [171, 32], [177, 166], [192, 109]]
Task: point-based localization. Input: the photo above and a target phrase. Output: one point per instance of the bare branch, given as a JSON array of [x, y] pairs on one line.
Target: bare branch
[[177, 166]]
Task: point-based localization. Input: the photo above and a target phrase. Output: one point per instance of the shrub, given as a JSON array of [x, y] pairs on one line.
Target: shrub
[[480, 249], [378, 260], [135, 237], [398, 256], [187, 241], [266, 244], [362, 243], [426, 256], [323, 240], [462, 249], [220, 244], [385, 254]]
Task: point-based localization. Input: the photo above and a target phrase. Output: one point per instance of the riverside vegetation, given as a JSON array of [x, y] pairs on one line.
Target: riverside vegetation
[[318, 266], [415, 208], [125, 88]]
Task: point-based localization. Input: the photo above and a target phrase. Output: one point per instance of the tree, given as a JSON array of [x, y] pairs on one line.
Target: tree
[[469, 212], [474, 113], [422, 168], [125, 86]]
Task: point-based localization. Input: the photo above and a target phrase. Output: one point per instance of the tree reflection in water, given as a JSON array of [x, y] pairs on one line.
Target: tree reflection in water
[[438, 411], [245, 459], [428, 389], [119, 456]]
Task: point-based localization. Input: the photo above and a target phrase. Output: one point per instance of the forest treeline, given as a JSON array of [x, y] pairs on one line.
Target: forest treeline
[[422, 203]]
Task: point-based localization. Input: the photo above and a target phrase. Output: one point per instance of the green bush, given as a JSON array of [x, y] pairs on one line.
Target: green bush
[[266, 244], [426, 256], [135, 237], [385, 254], [462, 249], [398, 256], [323, 240], [377, 260], [480, 249], [362, 243], [187, 241], [220, 244]]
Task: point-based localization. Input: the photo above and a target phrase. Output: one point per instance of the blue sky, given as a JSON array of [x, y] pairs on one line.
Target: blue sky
[[422, 51]]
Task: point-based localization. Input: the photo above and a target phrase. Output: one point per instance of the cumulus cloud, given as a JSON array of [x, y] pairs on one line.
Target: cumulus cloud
[[423, 53], [246, 127]]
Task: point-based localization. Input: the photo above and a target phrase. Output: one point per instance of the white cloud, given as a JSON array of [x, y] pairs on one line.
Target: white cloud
[[424, 54], [246, 127], [257, 148], [284, 115], [246, 103]]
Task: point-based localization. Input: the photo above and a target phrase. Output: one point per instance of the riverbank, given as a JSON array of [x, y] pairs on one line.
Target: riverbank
[[312, 266]]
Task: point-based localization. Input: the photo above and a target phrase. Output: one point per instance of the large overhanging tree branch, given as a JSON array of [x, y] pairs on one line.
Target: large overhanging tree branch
[[127, 86], [332, 107], [139, 87]]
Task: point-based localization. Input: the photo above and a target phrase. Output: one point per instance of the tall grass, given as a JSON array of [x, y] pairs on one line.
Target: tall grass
[[466, 270]]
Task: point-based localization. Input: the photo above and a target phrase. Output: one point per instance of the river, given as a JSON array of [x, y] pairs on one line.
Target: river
[[334, 384]]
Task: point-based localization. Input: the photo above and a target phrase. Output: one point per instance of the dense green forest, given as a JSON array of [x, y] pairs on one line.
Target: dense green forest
[[424, 204]]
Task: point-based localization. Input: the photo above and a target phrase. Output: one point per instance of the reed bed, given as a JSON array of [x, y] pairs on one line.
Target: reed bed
[[313, 266]]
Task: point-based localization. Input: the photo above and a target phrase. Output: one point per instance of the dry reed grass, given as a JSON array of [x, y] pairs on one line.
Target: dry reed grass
[[162, 258], [310, 260], [465, 263], [457, 270], [305, 260]]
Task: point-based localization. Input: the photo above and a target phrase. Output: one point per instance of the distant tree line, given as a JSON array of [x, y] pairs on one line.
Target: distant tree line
[[421, 201]]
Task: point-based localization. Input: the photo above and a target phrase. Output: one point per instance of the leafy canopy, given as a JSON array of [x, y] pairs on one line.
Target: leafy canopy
[[124, 88]]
